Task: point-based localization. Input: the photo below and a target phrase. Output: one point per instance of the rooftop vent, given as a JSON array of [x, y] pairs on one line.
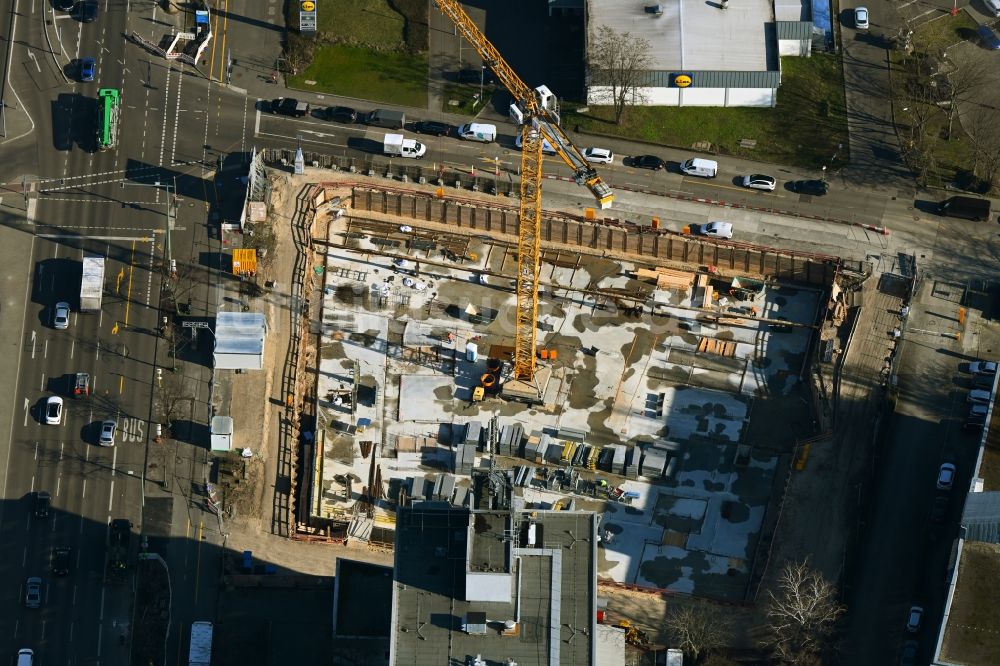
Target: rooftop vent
[[474, 623]]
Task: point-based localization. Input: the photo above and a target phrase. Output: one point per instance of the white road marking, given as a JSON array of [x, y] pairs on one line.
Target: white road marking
[[82, 495], [26, 409], [145, 239], [58, 484], [114, 461], [62, 445], [33, 345], [45, 349], [163, 132], [72, 347], [177, 119], [24, 559], [41, 387], [111, 497]]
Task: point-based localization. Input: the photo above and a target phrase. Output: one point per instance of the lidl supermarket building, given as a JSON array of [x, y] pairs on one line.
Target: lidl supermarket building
[[702, 54]]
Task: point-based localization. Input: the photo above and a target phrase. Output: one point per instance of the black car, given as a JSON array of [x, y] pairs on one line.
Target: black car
[[475, 76], [42, 503], [62, 557], [63, 5], [342, 114], [86, 11], [648, 162], [121, 530], [433, 127], [289, 106], [816, 188], [939, 510]]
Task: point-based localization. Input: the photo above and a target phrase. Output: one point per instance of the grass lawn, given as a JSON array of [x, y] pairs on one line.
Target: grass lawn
[[395, 78], [370, 23], [939, 34], [466, 94], [804, 129]]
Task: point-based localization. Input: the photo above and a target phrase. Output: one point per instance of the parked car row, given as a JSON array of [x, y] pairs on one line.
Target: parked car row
[[983, 375]]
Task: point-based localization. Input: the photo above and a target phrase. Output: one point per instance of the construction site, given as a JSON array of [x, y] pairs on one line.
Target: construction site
[[655, 391], [495, 390]]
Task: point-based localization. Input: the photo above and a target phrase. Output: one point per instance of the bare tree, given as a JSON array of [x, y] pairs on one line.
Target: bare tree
[[981, 125], [698, 627], [618, 68], [970, 76], [802, 615]]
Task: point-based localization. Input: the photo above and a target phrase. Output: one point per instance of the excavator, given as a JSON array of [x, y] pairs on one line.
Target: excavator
[[537, 113]]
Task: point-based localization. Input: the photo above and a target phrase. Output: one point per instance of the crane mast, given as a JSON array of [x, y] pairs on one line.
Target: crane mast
[[538, 121]]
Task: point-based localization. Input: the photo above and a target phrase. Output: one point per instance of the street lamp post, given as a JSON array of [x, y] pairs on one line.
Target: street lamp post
[[482, 75]]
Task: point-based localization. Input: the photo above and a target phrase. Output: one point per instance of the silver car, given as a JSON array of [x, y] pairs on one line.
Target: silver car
[[108, 433], [713, 229], [759, 181], [33, 592], [60, 318]]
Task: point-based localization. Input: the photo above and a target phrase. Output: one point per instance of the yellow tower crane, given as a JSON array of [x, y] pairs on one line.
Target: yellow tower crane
[[536, 110]]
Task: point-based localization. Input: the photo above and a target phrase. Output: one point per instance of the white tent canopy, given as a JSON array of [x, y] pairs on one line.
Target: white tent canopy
[[239, 340]]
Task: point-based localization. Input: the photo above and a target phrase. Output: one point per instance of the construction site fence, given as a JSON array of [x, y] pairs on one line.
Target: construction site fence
[[501, 183], [640, 237], [603, 236]]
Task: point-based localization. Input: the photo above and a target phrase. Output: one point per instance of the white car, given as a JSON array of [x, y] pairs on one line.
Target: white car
[[53, 410], [983, 368], [60, 317], [861, 18], [946, 476], [979, 397], [405, 228], [713, 229], [914, 618], [758, 181], [599, 155], [108, 433], [33, 592]]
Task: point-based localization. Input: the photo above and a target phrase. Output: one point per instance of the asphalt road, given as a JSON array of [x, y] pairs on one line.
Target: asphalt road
[[104, 203]]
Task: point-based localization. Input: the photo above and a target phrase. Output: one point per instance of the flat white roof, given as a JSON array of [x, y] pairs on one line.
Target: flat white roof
[[692, 34], [239, 340]]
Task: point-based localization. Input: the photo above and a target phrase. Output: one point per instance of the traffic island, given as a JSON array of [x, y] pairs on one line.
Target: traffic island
[[152, 610]]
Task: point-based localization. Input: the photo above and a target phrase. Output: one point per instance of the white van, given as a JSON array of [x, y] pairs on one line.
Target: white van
[[699, 167], [25, 657], [478, 132]]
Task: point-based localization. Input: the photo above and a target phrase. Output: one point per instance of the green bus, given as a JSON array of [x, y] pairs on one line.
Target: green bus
[[109, 101]]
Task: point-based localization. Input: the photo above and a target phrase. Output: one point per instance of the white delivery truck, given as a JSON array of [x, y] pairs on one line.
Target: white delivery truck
[[396, 146], [696, 166], [478, 132], [200, 653], [92, 284]]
